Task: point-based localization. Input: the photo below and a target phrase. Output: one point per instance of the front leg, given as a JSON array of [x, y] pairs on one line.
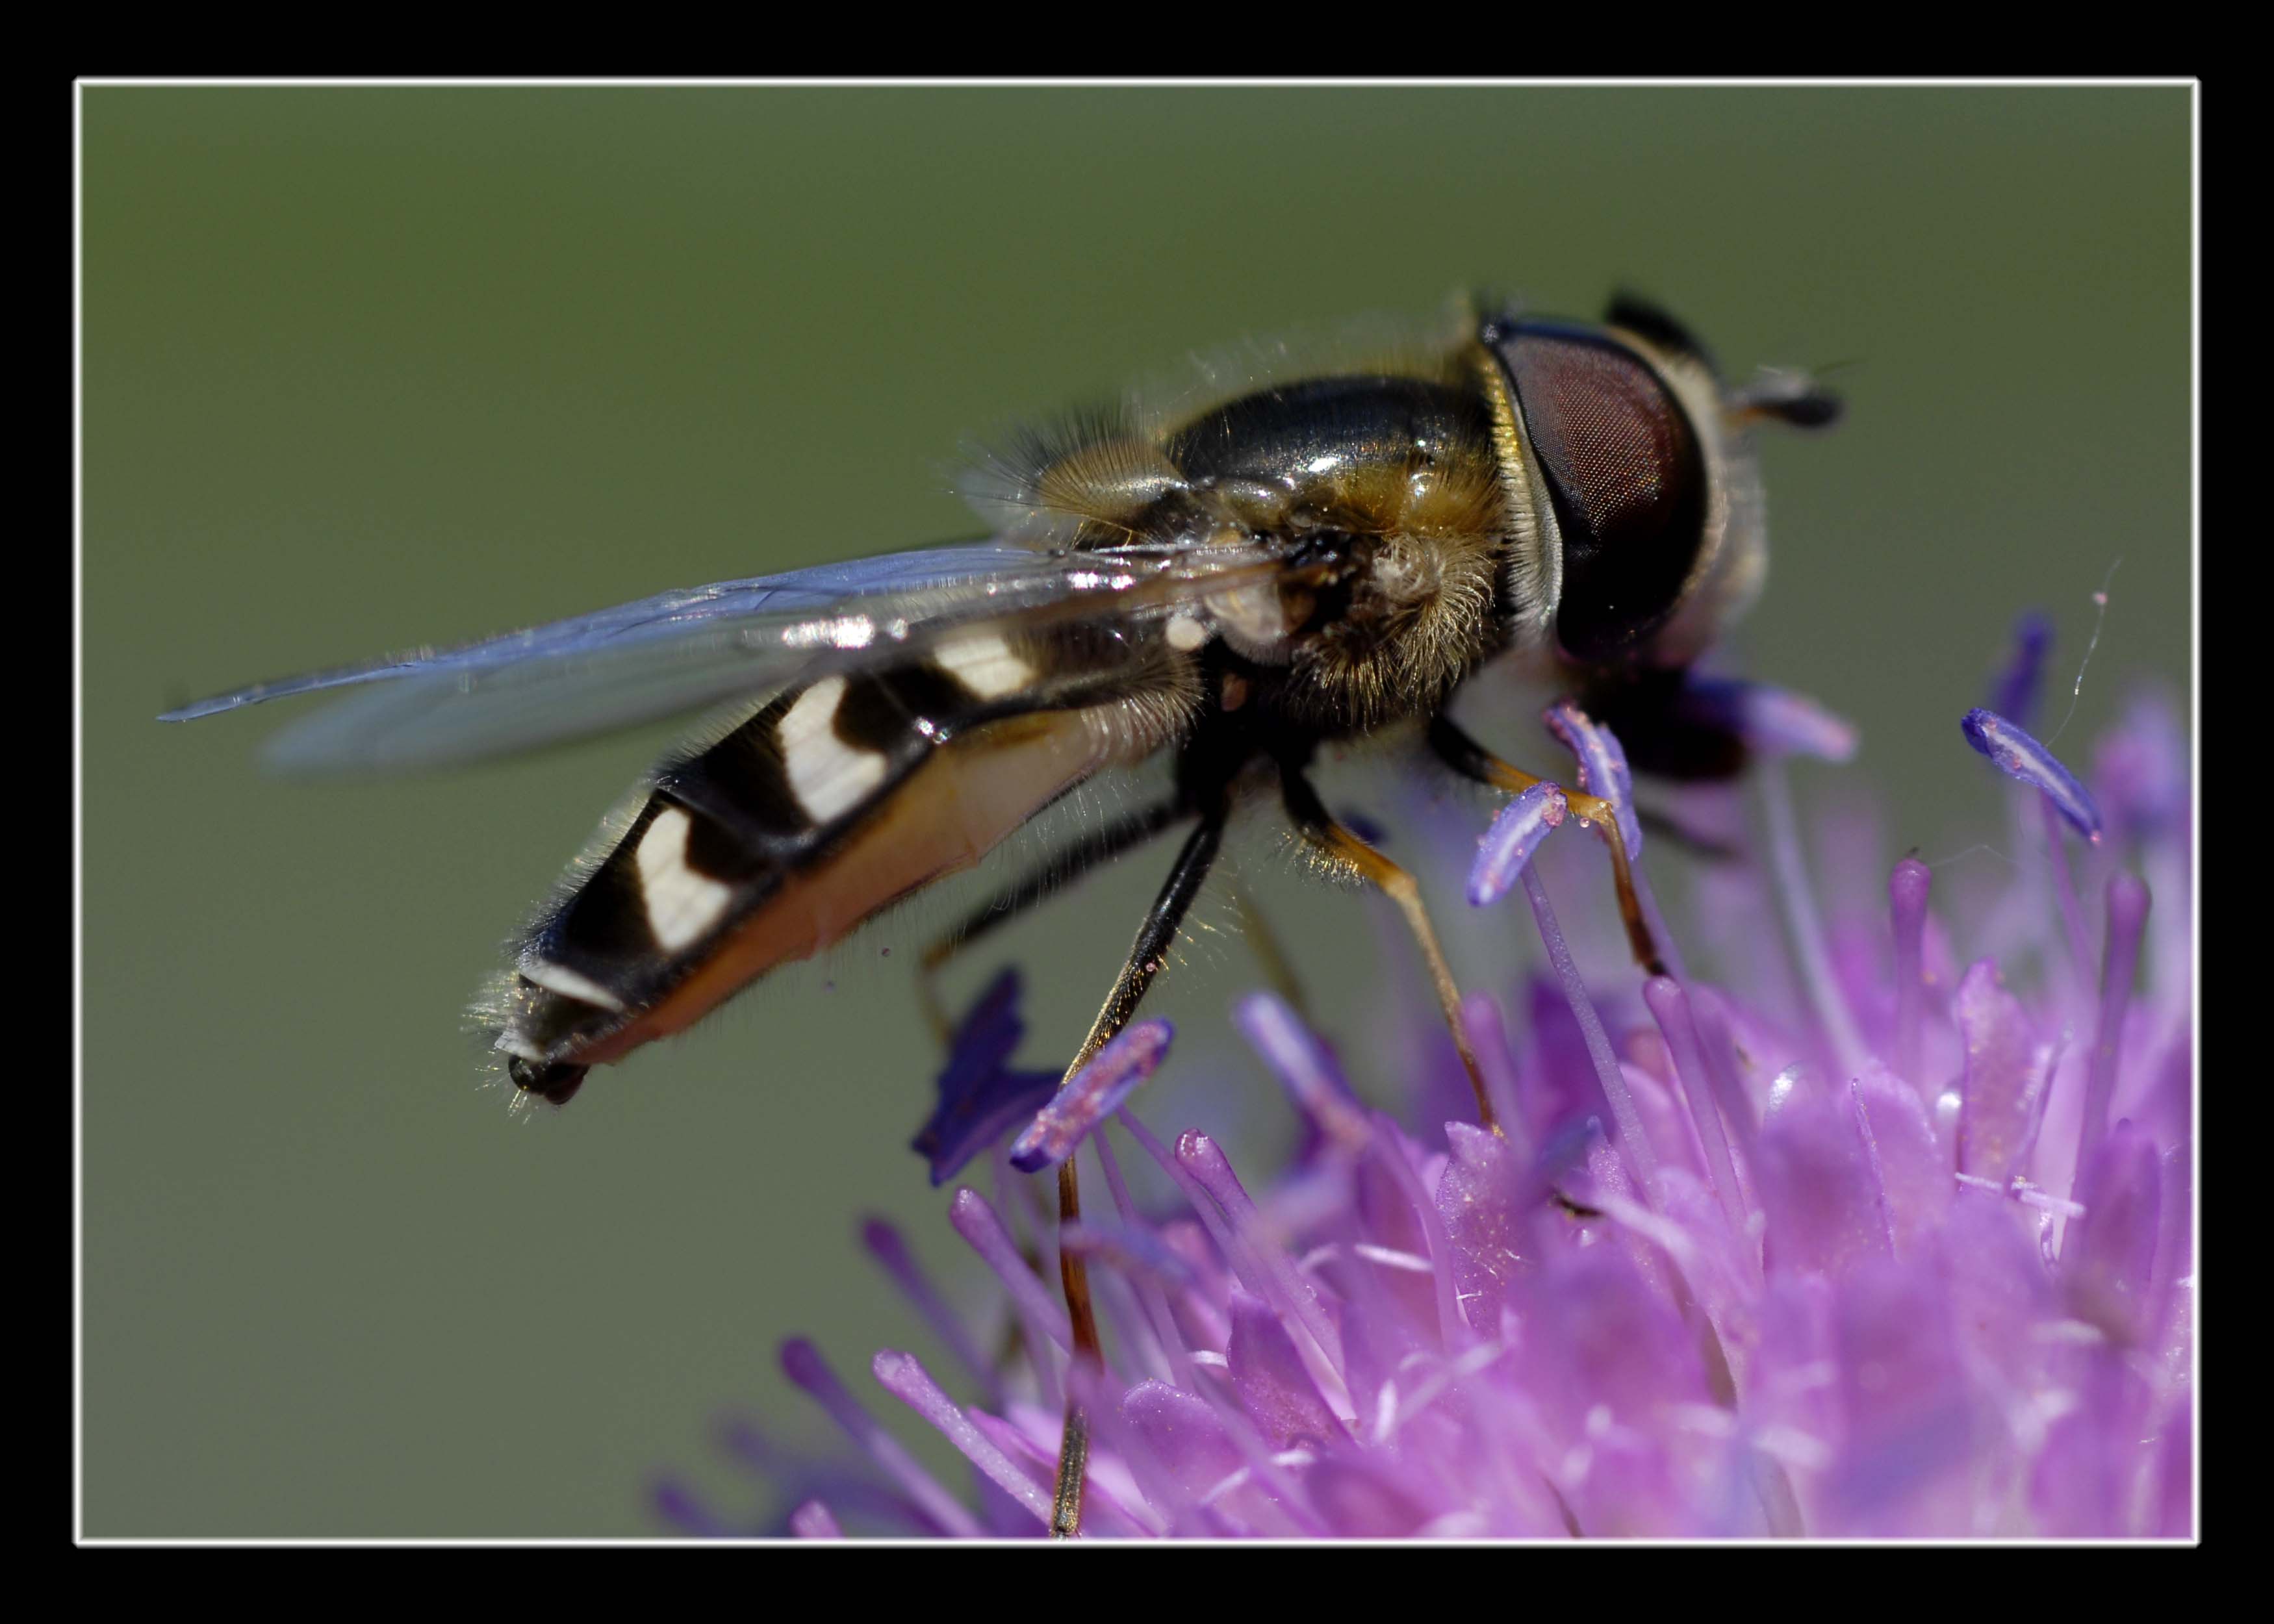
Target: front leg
[[1464, 756]]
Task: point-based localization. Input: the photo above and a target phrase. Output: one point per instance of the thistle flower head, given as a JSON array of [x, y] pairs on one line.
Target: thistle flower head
[[1866, 1234]]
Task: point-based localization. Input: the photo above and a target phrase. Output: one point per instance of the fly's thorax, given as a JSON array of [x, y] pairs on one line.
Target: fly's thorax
[[1373, 629], [1394, 547], [1382, 491]]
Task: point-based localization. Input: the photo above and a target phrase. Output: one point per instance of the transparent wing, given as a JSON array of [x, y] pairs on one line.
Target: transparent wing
[[680, 652]]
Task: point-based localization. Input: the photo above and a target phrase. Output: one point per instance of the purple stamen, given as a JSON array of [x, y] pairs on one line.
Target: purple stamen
[[1303, 1066], [1029, 1226], [1670, 951], [1603, 773], [1515, 835], [677, 1507], [1480, 1018], [2018, 755], [1641, 1159], [1111, 1426], [890, 1249], [1807, 929], [1150, 1291], [803, 1364], [1198, 1305], [1716, 1040], [1276, 1279], [1603, 766], [983, 1230], [2127, 914], [1132, 1251], [1094, 1093], [1122, 1317], [1670, 1007], [1019, 1214], [813, 1520], [1907, 896], [837, 1481], [904, 1377], [2015, 694], [1449, 1322], [1771, 721], [2072, 912], [1132, 1513], [1210, 1217], [2142, 770]]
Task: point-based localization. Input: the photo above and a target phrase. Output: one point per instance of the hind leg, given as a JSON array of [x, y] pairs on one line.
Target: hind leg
[[1147, 956]]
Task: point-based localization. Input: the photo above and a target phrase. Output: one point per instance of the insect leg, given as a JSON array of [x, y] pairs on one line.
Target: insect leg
[[1146, 957], [1320, 827], [1055, 872], [1469, 759]]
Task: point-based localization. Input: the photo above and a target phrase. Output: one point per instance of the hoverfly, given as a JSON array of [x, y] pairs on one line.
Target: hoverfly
[[1232, 578]]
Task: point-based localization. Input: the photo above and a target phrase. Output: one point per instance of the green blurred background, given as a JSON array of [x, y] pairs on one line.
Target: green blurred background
[[366, 368]]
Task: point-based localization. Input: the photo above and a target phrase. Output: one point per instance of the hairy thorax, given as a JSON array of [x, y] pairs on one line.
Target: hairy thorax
[[1384, 490]]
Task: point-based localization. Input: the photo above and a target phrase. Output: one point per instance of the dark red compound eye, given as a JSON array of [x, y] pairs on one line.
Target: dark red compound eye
[[1625, 474]]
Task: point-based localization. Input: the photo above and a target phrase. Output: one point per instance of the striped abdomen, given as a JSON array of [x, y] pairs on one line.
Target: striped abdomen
[[835, 799]]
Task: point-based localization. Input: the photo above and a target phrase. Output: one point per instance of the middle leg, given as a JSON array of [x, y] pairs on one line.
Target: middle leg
[[1055, 872], [1324, 831]]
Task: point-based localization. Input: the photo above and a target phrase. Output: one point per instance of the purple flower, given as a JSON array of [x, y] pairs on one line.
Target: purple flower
[[1849, 1230]]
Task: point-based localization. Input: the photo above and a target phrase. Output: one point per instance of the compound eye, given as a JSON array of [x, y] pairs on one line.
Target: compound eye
[[1625, 476]]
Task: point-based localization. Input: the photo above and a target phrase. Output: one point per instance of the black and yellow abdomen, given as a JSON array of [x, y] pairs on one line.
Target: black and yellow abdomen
[[834, 800]]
